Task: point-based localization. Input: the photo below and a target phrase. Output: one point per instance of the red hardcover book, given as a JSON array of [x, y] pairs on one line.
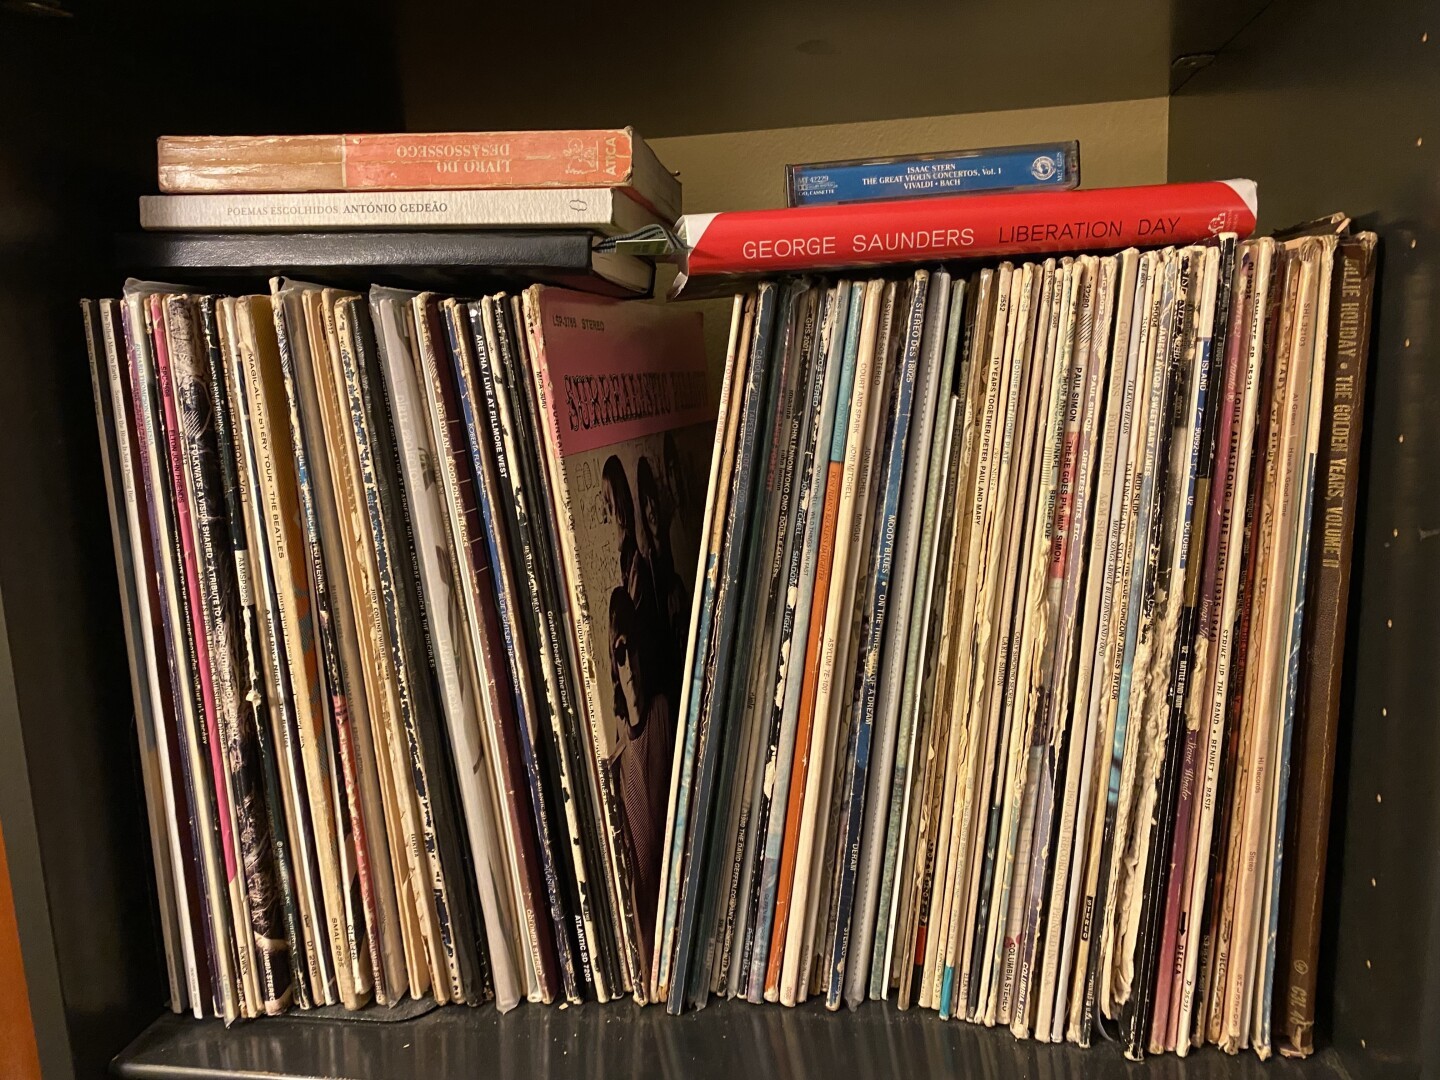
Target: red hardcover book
[[962, 227]]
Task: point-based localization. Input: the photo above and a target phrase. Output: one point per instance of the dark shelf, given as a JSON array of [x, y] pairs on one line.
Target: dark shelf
[[726, 1041]]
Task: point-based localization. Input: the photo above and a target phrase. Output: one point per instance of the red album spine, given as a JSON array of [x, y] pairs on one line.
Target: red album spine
[[964, 226]]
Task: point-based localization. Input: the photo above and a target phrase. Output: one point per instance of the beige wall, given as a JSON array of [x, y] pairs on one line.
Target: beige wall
[[1121, 142]]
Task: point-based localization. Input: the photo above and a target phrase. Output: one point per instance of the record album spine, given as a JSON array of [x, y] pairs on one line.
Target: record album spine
[[682, 776], [1215, 948], [1075, 661], [1194, 457], [374, 807], [1156, 651], [1332, 546], [449, 628], [821, 928], [566, 619], [874, 619], [773, 728], [194, 817], [891, 676], [1189, 679], [345, 906], [912, 909], [893, 809], [713, 701], [1127, 377], [833, 686], [273, 913], [1255, 757], [1195, 798], [283, 738], [573, 963], [1120, 773], [263, 380], [428, 772], [471, 540], [1307, 453], [768, 534], [153, 707], [508, 442], [795, 723], [219, 815]]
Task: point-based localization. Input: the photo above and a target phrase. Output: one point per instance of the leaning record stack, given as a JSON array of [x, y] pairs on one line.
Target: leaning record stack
[[402, 576]]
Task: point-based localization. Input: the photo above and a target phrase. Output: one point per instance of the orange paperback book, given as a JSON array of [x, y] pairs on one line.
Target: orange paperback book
[[477, 160]]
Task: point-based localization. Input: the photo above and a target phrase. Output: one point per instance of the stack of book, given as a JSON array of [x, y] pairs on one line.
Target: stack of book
[[401, 577], [528, 205], [1016, 659]]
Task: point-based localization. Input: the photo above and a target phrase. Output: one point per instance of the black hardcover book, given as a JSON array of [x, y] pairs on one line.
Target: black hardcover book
[[448, 261]]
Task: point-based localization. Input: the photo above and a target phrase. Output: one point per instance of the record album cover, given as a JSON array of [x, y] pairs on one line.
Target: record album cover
[[630, 416]]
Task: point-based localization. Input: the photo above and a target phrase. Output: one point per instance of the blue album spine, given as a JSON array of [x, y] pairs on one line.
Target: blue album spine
[[1041, 167]]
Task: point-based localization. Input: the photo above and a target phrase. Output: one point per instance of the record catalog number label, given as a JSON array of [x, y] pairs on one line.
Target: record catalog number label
[[578, 322]]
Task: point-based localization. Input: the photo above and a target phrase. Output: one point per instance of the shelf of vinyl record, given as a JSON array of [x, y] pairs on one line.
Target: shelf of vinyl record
[[1022, 631], [978, 650]]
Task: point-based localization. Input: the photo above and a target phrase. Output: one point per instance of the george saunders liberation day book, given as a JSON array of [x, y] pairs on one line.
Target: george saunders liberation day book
[[753, 242]]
